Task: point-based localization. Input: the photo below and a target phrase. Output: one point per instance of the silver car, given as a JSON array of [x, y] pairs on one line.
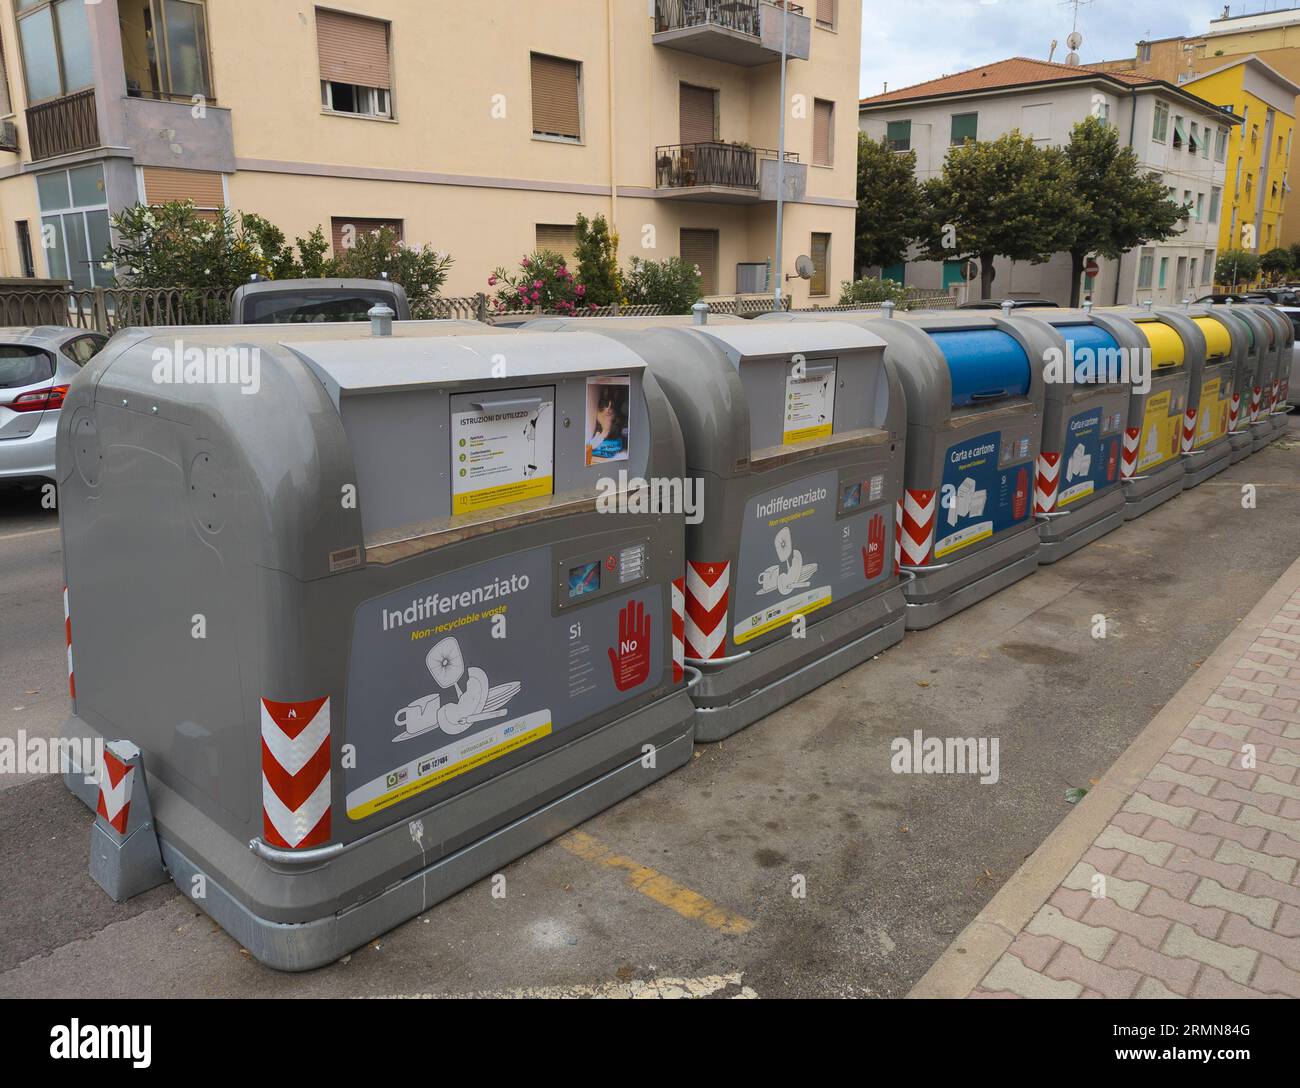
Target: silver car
[[36, 367]]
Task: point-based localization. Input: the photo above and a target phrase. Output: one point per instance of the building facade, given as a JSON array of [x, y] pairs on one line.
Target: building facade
[[481, 129], [1172, 132]]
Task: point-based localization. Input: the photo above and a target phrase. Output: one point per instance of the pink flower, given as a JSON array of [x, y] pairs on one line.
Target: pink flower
[[580, 290], [536, 295], [492, 281], [537, 284], [523, 263]]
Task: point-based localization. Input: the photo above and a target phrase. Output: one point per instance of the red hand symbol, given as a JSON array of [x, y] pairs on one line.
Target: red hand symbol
[[631, 663], [873, 555]]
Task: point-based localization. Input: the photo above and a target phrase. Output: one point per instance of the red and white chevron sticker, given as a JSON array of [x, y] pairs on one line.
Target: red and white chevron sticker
[[679, 629], [1047, 482], [1189, 429], [916, 535], [67, 632], [1277, 390], [1256, 402], [296, 773], [115, 778], [1234, 411], [1129, 458], [707, 591]]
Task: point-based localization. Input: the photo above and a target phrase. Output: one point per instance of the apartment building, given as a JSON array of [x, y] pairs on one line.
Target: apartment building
[[1172, 131], [479, 127]]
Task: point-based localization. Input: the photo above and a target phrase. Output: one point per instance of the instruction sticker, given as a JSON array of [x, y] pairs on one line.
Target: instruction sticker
[[810, 402], [1161, 423], [1212, 415], [1090, 460], [980, 496], [502, 448]]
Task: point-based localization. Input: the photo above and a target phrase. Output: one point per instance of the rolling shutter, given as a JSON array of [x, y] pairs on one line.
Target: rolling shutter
[[821, 245], [339, 225], [165, 184], [826, 12], [823, 127], [353, 49], [555, 97], [560, 239], [697, 110], [700, 248]]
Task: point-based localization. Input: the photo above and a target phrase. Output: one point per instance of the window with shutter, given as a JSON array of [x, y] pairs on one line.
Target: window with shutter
[[353, 49], [899, 135], [821, 249], [698, 114], [826, 13], [346, 229], [823, 132], [964, 127], [556, 97], [700, 248], [165, 184], [559, 238]]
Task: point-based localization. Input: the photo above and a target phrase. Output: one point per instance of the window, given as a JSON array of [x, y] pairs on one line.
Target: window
[[1200, 207], [1146, 266], [821, 252], [557, 98], [1216, 195], [1164, 271], [700, 248], [54, 38], [1207, 267], [355, 72], [165, 48], [1180, 133], [74, 223], [1160, 124], [561, 238], [1254, 137], [826, 14], [164, 184], [1194, 140], [345, 230], [697, 114], [899, 135], [1236, 182], [1102, 110], [25, 248], [964, 127], [1144, 52], [823, 132], [6, 103], [1187, 203], [83, 349], [1191, 272], [1221, 146]]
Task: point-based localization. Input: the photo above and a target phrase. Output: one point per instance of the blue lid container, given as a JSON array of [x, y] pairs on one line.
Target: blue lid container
[[984, 365], [1097, 340]]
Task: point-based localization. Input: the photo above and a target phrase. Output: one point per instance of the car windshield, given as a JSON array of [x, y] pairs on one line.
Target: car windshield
[[312, 306], [21, 366]]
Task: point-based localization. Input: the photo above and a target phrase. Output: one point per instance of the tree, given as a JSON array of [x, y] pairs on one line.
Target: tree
[[1276, 263], [999, 198], [419, 270], [1236, 266], [673, 284], [889, 204], [171, 245], [597, 260], [1120, 206], [868, 289], [543, 282]]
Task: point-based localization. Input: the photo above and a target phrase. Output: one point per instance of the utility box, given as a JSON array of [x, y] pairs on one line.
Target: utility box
[[796, 435], [1077, 493], [1151, 465], [973, 383], [376, 624]]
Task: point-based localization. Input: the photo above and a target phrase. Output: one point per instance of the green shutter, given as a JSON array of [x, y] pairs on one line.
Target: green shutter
[[964, 126], [899, 135], [952, 273], [893, 272]]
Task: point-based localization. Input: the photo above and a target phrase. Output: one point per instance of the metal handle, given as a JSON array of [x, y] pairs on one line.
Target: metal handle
[[918, 571], [1133, 479], [1053, 514], [506, 405], [1193, 453], [702, 663]]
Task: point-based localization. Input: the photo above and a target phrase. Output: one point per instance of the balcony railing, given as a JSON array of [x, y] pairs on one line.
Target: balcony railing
[[732, 166], [63, 126], [738, 15]]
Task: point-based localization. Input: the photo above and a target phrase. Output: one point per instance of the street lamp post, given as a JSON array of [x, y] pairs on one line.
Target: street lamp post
[[780, 162]]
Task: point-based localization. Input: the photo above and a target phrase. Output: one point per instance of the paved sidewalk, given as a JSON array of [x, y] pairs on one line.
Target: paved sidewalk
[[1179, 874]]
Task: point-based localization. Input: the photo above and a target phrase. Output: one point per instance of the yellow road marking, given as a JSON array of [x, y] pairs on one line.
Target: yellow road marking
[[662, 889]]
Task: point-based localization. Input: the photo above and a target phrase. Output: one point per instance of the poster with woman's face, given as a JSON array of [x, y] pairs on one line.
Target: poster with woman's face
[[608, 437]]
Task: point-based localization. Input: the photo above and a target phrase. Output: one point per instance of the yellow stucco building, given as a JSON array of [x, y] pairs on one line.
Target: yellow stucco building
[[1250, 210]]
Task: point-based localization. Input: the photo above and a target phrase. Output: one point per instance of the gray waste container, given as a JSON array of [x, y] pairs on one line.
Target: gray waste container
[[1151, 465], [1266, 363], [1077, 492], [1206, 446], [797, 436], [370, 623], [1283, 342], [973, 382], [1247, 397]]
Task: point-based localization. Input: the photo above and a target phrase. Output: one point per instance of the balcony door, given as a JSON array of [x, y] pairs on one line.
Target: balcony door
[[698, 114], [700, 248]]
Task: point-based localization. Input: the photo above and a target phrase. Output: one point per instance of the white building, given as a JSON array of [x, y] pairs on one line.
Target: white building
[[1183, 137]]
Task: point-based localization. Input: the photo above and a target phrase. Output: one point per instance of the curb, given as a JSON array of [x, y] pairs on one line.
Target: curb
[[977, 948]]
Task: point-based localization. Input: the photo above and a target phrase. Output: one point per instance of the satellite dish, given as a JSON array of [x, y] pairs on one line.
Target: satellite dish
[[805, 267], [1072, 59], [1074, 40], [970, 271]]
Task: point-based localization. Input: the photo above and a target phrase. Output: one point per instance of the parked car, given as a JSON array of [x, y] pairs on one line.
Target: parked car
[[1257, 297], [1293, 312], [36, 367], [1281, 296], [1016, 303], [267, 302]]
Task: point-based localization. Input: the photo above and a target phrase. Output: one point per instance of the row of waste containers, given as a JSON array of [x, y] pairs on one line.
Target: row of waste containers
[[461, 588]]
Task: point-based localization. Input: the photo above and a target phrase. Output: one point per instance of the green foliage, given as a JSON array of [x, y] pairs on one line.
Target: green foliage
[[1294, 249], [314, 261], [1004, 197], [1236, 267], [420, 270], [890, 205], [1276, 263], [173, 246], [542, 282], [1119, 206], [597, 260], [673, 284], [868, 289]]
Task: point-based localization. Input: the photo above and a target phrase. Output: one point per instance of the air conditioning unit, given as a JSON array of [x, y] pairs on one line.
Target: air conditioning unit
[[8, 136]]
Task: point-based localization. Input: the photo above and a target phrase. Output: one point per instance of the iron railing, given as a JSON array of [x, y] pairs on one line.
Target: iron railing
[[738, 15], [63, 126], [734, 166]]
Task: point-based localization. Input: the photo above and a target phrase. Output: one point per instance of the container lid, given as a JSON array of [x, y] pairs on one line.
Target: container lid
[[1167, 348], [984, 365], [1218, 341]]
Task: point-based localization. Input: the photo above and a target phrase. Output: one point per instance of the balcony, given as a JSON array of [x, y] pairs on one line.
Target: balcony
[[63, 126], [718, 173], [744, 32]]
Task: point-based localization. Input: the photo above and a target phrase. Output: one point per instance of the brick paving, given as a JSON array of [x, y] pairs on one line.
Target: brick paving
[[1193, 888]]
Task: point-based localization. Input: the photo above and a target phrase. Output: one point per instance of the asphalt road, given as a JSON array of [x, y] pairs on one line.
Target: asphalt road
[[894, 865]]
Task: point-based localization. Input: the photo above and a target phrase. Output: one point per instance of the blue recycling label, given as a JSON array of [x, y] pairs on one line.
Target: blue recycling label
[[1090, 460], [987, 483]]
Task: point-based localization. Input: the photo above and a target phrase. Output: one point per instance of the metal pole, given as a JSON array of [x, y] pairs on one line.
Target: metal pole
[[780, 163]]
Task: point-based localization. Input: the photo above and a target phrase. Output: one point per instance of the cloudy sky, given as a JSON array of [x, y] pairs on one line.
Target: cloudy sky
[[910, 41]]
